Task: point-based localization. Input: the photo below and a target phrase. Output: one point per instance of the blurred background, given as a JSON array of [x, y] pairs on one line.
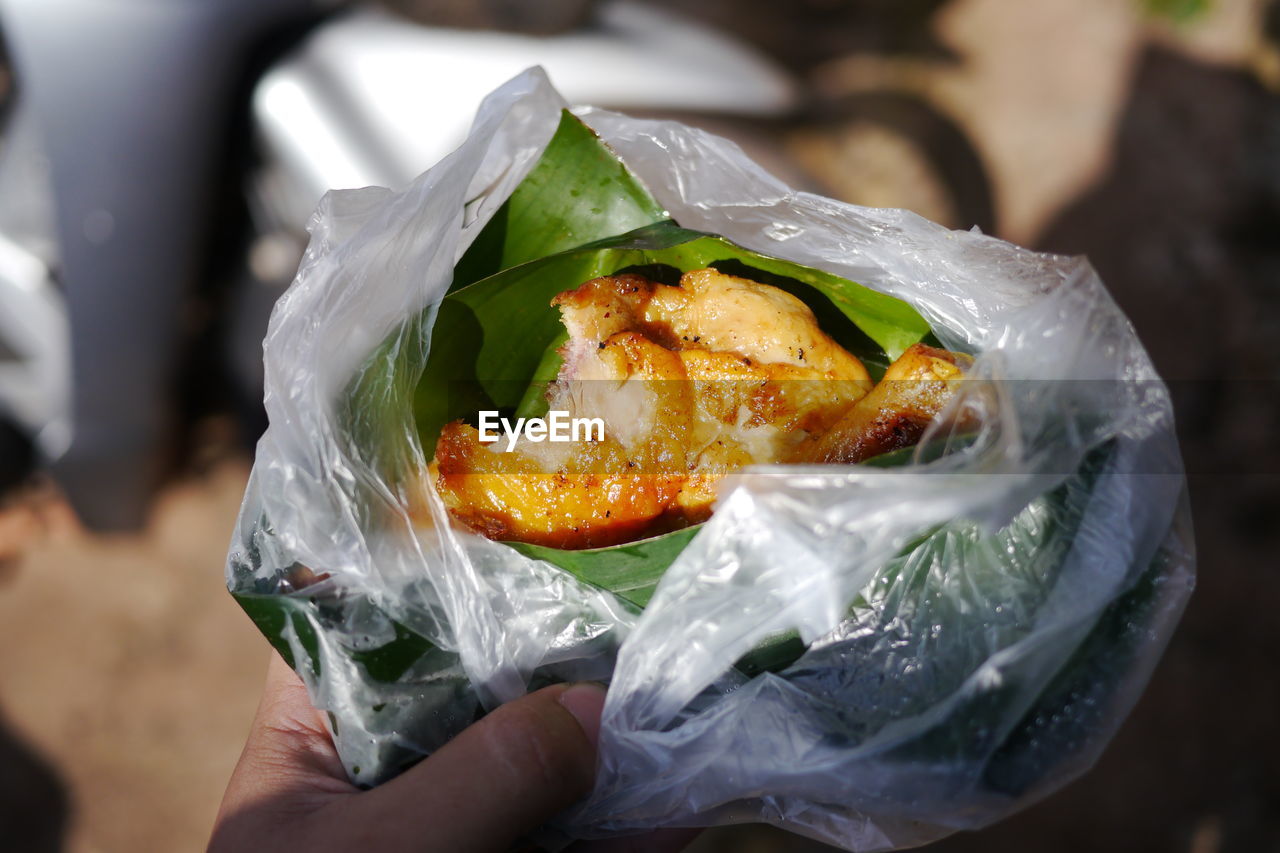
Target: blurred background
[[157, 166]]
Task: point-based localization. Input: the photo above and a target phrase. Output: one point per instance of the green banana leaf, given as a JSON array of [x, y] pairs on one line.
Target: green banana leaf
[[577, 192], [630, 571]]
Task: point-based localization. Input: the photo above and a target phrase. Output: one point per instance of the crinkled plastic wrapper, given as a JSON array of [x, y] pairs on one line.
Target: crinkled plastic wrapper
[[976, 626]]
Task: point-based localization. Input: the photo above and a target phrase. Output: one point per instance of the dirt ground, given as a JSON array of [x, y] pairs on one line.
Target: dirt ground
[[128, 676], [127, 666]]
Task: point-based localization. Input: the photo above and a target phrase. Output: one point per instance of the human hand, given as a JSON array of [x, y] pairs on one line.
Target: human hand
[[497, 780]]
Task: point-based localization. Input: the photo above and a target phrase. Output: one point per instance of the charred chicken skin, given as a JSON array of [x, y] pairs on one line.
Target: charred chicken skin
[[913, 391], [692, 383]]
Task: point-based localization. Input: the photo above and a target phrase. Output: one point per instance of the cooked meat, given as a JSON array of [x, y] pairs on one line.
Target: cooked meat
[[693, 383], [582, 494], [709, 311], [895, 414], [724, 313], [746, 412], [598, 495]]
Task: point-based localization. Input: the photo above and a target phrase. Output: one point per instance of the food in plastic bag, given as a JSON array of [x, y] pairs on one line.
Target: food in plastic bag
[[663, 390], [871, 654]]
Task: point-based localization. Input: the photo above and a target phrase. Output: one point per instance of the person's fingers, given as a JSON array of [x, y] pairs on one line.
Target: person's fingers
[[497, 780], [287, 763], [289, 737]]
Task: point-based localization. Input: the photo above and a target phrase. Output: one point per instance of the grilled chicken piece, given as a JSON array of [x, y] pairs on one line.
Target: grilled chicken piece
[[763, 374], [745, 412], [693, 383], [710, 311], [895, 414], [598, 496], [583, 494], [724, 313]]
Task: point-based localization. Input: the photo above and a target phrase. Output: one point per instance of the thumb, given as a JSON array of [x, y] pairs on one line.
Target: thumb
[[500, 778]]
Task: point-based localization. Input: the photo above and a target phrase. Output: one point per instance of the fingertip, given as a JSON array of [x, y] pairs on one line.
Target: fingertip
[[585, 702], [501, 777]]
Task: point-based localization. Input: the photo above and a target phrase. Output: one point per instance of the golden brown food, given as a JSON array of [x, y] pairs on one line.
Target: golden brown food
[[594, 498], [895, 414], [692, 383], [586, 493], [723, 313], [746, 412]]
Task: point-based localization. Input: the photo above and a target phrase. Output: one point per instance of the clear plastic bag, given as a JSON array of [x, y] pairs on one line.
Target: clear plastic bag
[[976, 625]]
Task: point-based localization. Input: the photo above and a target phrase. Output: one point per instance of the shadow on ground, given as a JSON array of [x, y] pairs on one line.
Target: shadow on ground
[[35, 807]]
